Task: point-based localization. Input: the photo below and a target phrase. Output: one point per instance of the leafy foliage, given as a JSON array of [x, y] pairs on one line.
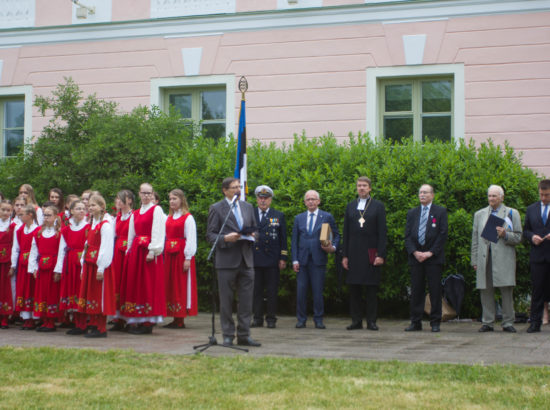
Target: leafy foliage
[[88, 144], [460, 173]]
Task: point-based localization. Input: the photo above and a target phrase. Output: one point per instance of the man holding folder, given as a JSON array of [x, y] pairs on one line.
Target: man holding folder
[[496, 232]]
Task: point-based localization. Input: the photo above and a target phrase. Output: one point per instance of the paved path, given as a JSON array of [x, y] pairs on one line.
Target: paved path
[[458, 342]]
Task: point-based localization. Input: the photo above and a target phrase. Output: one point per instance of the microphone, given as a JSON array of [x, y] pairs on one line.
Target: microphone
[[235, 198]]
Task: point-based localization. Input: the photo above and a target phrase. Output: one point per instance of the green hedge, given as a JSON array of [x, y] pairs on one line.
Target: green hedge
[[87, 144], [460, 174]]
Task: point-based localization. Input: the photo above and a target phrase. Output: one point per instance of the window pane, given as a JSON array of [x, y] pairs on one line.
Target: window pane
[[398, 97], [182, 103], [396, 128], [436, 96], [436, 128], [213, 105], [213, 130], [15, 114], [13, 140]]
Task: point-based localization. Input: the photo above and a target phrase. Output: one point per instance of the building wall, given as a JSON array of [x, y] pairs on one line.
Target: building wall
[[302, 77]]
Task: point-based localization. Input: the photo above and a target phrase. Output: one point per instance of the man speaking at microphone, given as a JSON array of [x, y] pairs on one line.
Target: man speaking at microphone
[[234, 260]]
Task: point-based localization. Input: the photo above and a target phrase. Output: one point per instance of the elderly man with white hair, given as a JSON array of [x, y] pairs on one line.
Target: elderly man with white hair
[[494, 258]]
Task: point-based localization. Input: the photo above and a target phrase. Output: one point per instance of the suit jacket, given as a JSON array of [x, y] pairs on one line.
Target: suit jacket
[[534, 226], [358, 240], [271, 246], [230, 254], [503, 253], [305, 244], [436, 235]]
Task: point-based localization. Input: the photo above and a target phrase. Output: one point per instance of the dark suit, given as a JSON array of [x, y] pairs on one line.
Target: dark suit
[[357, 242], [234, 262], [271, 247], [539, 258], [431, 268], [306, 249]]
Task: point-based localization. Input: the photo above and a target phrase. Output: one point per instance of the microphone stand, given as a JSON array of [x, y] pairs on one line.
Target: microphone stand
[[212, 339]]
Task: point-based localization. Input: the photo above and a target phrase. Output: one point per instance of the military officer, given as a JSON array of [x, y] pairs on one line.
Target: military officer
[[270, 256]]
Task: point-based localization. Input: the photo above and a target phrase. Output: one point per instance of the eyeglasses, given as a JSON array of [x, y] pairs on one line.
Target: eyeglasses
[[146, 193]]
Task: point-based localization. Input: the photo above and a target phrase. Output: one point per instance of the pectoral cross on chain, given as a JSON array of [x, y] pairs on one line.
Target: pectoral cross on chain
[[361, 221]]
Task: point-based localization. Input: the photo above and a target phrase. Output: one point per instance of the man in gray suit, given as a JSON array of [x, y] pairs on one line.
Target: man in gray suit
[[495, 263], [234, 260]]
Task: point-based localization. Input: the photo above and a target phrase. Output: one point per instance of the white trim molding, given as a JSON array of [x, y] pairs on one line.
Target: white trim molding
[[159, 85], [396, 11], [26, 92], [374, 75]]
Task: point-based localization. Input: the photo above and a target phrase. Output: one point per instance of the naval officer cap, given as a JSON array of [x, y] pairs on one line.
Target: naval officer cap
[[263, 191]]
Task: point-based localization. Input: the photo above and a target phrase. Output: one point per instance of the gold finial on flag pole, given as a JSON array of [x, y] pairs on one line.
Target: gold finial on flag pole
[[243, 86]]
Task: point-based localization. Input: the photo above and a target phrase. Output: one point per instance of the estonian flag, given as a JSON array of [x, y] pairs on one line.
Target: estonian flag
[[240, 167]]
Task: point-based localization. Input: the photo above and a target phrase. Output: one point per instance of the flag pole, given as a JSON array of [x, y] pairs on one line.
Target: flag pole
[[241, 163]]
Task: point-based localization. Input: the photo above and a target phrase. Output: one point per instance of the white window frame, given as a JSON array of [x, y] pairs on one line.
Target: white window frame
[[376, 75], [160, 85], [25, 92]]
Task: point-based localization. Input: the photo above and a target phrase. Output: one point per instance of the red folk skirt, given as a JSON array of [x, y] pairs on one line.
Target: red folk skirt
[[181, 287], [46, 297], [70, 278]]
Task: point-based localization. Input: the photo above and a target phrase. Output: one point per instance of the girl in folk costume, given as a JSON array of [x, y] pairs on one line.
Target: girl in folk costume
[[179, 261], [142, 293], [18, 206], [27, 192], [124, 203], [42, 260], [97, 289], [7, 227], [22, 241], [71, 247], [56, 196]]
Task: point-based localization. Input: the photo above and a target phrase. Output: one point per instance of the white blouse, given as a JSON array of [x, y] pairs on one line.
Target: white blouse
[[75, 227], [190, 233], [158, 230], [16, 249], [4, 224], [33, 257]]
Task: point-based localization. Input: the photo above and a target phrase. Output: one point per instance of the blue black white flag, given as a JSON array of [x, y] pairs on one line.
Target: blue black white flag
[[240, 167]]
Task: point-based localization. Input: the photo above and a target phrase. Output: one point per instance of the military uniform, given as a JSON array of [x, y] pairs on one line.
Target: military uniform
[[270, 248]]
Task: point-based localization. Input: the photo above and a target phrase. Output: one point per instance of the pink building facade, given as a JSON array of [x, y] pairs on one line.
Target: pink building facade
[[467, 69]]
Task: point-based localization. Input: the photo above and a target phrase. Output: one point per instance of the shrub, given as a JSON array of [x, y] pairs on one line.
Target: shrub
[[459, 172]]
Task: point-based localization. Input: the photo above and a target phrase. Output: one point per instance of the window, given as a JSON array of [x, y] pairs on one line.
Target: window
[[421, 108], [209, 101], [12, 125], [425, 101], [205, 107]]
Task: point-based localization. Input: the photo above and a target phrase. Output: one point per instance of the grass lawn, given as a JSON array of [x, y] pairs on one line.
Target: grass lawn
[[73, 378]]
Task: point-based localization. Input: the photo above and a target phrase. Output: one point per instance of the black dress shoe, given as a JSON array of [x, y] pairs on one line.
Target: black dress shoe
[[320, 325], [300, 325], [248, 341], [355, 326], [414, 327], [95, 334], [227, 341], [485, 328], [509, 329], [372, 326], [75, 331], [271, 325], [140, 330], [533, 328], [257, 323], [118, 327], [436, 328]]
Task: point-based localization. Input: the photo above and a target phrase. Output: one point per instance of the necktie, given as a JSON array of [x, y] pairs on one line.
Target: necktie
[[237, 216], [545, 214], [422, 226], [263, 216], [310, 227]]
